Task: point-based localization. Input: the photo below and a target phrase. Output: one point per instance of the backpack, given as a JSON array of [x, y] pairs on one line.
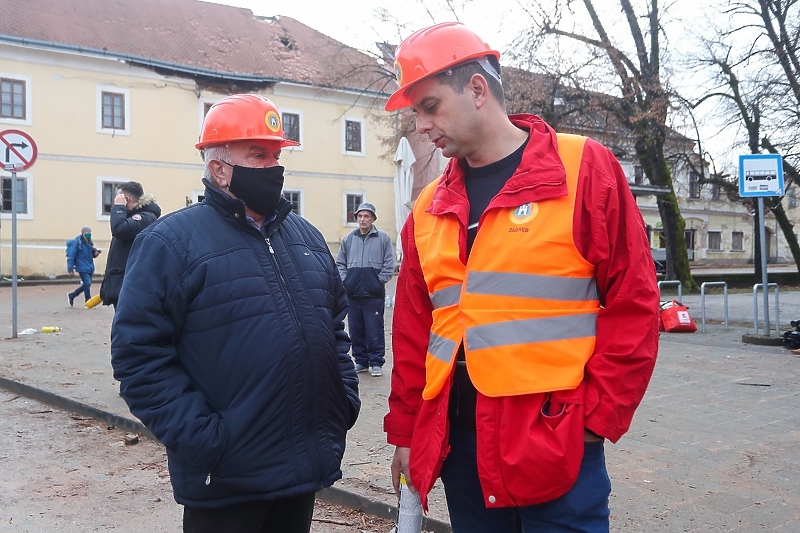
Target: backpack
[[71, 245]]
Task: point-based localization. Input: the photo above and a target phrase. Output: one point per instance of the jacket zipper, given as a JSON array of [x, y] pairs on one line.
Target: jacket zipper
[[304, 346]]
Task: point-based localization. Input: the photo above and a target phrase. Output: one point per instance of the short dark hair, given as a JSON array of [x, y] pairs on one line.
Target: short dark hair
[[134, 188], [458, 76]]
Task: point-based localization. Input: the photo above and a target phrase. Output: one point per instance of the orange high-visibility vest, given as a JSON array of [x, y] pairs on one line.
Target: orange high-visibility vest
[[524, 306]]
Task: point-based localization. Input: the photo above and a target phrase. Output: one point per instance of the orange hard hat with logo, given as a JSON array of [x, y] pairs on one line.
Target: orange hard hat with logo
[[432, 50], [242, 117]]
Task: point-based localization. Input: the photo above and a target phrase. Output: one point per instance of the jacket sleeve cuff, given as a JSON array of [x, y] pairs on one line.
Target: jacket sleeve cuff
[[603, 421], [398, 428]]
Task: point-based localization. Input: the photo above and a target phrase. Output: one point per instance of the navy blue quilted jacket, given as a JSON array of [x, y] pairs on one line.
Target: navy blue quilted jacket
[[230, 347]]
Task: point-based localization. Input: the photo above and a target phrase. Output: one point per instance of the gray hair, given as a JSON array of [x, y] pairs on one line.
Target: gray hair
[[221, 152]]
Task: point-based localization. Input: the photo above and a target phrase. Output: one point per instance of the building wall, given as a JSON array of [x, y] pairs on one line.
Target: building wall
[[157, 149], [705, 215]]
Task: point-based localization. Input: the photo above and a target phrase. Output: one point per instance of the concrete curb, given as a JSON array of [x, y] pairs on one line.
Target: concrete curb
[[762, 340], [339, 496], [333, 495], [79, 408]]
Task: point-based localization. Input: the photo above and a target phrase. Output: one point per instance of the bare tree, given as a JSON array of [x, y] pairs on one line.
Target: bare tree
[[644, 103], [758, 86]]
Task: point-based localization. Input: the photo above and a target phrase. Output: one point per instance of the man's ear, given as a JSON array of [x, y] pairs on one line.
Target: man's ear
[[219, 174], [479, 90]]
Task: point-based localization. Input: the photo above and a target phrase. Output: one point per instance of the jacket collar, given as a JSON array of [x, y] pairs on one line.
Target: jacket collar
[[372, 231], [539, 176]]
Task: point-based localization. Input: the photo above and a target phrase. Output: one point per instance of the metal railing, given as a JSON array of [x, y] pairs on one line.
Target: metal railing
[[703, 301], [674, 282], [777, 309]]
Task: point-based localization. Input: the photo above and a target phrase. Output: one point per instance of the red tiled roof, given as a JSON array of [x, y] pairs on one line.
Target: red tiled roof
[[191, 35]]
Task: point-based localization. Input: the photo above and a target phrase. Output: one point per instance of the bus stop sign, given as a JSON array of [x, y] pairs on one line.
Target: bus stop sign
[[761, 175]]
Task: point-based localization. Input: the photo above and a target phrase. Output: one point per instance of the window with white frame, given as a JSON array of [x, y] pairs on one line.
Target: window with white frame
[[196, 197], [292, 126], [15, 98], [737, 241], [716, 191], [204, 107], [638, 174], [296, 199], [694, 184], [109, 191], [12, 98], [715, 240], [106, 191], [351, 203], [113, 110], [24, 201], [353, 136]]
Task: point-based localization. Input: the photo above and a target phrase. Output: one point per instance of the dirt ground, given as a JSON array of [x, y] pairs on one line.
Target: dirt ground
[[63, 473]]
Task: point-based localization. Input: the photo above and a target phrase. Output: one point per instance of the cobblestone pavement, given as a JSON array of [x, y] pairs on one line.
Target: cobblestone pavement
[[713, 447]]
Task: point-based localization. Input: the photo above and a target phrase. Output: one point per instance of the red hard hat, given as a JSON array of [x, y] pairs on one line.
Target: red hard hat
[[242, 117], [432, 50]]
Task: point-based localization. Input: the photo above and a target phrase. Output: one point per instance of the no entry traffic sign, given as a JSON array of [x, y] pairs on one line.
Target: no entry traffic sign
[[19, 150]]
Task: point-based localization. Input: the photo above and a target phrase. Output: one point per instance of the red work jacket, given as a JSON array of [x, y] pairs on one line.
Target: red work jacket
[[609, 234]]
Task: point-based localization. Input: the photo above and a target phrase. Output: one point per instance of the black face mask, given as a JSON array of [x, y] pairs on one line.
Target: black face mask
[[259, 188]]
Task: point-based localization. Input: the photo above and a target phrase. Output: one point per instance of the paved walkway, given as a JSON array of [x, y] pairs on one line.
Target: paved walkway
[[713, 446]]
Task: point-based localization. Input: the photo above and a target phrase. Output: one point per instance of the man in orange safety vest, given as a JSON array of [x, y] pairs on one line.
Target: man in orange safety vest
[[526, 316]]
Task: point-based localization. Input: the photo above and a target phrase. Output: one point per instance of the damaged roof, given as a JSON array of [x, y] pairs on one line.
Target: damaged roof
[[193, 38]]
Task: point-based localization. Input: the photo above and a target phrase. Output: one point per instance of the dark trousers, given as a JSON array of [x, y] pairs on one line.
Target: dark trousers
[[365, 324], [583, 509], [284, 515], [85, 286]]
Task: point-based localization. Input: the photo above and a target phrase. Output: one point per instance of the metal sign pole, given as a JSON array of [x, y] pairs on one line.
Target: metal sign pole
[[20, 154], [13, 254], [762, 233]]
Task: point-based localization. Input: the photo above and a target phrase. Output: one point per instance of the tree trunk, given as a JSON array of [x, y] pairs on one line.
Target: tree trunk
[[788, 232], [650, 149], [677, 255]]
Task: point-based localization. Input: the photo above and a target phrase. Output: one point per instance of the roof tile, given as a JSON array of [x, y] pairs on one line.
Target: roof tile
[[192, 34]]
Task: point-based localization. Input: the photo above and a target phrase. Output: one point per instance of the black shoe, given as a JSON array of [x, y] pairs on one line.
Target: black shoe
[[71, 299]]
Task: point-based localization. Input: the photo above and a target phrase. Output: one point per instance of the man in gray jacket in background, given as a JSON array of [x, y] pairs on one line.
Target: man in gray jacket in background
[[366, 264]]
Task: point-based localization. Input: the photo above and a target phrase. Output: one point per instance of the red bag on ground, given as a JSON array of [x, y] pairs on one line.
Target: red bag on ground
[[676, 318]]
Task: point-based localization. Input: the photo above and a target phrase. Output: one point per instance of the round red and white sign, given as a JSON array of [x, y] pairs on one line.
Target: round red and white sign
[[19, 150]]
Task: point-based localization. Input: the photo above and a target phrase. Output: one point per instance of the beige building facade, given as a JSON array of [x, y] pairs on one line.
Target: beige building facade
[[718, 231], [99, 120]]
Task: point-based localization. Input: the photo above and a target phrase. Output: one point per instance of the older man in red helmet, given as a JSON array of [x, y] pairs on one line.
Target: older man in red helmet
[[229, 338], [526, 317]]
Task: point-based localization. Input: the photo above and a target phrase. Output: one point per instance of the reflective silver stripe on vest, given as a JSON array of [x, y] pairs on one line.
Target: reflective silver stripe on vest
[[445, 297], [532, 286], [531, 330], [441, 348]]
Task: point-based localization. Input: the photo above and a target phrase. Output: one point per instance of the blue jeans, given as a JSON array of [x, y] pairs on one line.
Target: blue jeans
[[84, 287], [583, 509], [365, 324]]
